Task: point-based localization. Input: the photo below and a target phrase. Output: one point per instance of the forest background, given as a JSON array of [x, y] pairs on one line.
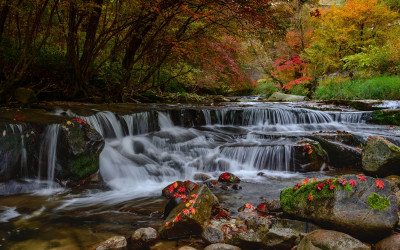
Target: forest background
[[127, 50]]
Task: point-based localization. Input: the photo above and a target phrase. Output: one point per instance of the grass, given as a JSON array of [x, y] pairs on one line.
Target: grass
[[381, 87], [265, 88]]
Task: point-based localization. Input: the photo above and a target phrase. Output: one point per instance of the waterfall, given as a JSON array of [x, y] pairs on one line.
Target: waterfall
[[48, 153]]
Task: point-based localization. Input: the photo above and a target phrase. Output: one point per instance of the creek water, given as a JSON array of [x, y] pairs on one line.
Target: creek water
[[145, 151]]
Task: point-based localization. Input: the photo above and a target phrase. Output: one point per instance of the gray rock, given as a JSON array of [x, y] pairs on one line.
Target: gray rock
[[381, 157], [25, 95], [212, 235], [221, 246], [114, 243], [280, 97], [201, 177], [330, 240], [346, 211], [143, 237], [390, 243], [186, 248]]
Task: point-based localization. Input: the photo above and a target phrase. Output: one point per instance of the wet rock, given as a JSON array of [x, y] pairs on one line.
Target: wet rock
[[273, 205], [280, 97], [178, 188], [326, 239], [353, 210], [186, 248], [381, 157], [247, 210], [201, 177], [390, 243], [190, 216], [78, 151], [114, 243], [308, 156], [343, 149], [25, 95], [221, 246], [228, 178], [300, 227], [143, 238], [212, 235], [394, 181]]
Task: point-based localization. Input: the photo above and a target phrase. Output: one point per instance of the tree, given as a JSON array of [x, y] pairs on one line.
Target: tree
[[346, 30]]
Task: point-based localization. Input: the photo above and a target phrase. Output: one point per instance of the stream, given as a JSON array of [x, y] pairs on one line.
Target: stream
[[148, 149]]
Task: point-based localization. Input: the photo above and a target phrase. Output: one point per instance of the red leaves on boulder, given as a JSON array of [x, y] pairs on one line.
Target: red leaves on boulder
[[379, 183], [352, 183], [310, 197], [342, 181], [332, 187], [225, 176], [361, 177], [171, 188], [319, 186], [181, 189]]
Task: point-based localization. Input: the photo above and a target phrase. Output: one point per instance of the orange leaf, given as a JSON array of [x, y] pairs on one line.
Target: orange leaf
[[379, 183], [310, 197]]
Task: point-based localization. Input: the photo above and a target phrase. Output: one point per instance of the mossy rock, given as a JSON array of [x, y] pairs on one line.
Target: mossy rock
[[381, 157], [345, 208], [309, 156], [190, 217], [78, 151], [386, 117]]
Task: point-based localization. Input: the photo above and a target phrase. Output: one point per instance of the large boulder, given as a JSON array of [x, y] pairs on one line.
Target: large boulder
[[359, 205], [330, 240], [381, 157], [343, 149], [114, 243], [280, 97], [143, 238], [308, 156], [78, 151], [25, 95], [190, 216]]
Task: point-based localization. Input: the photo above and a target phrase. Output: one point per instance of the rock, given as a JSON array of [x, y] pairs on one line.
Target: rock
[[326, 239], [78, 151], [273, 205], [353, 210], [25, 95], [186, 248], [394, 181], [221, 246], [228, 178], [190, 216], [390, 243], [178, 188], [308, 156], [280, 97], [381, 157], [344, 145], [201, 177], [143, 238], [212, 235], [114, 243]]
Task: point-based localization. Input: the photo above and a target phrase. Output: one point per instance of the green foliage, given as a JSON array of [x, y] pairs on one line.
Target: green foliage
[[299, 89], [265, 87], [378, 202], [381, 87], [387, 118], [373, 59]]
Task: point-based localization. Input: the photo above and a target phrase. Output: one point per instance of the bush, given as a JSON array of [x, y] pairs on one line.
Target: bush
[[382, 87], [265, 88]]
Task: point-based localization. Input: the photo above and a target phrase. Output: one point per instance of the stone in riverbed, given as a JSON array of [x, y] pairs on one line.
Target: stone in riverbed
[[381, 157], [178, 188], [190, 216], [345, 208], [390, 243], [228, 178], [212, 235], [221, 246], [143, 238], [114, 243], [326, 239], [78, 151], [201, 177]]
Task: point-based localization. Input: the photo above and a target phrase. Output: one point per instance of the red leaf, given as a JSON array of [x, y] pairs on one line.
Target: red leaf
[[379, 183], [361, 177], [332, 187], [171, 188], [352, 183], [310, 197], [181, 189]]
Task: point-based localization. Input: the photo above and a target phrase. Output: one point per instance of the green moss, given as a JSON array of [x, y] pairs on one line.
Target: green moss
[[386, 118], [394, 148], [85, 166], [378, 202]]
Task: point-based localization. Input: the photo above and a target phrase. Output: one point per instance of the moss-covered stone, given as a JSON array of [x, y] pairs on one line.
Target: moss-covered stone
[[386, 117], [345, 208]]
